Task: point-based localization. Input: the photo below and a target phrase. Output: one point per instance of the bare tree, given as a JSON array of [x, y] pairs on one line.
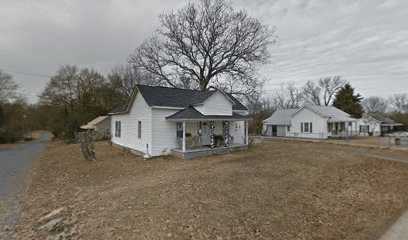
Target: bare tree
[[61, 90], [312, 92], [330, 86], [125, 78], [8, 88], [400, 102], [375, 104], [324, 91], [287, 96], [207, 43]]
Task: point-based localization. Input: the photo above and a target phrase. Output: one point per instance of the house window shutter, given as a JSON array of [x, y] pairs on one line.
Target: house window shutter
[[301, 127], [311, 127], [119, 129], [139, 129]]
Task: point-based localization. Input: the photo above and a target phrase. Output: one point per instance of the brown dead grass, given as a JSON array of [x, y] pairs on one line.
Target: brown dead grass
[[374, 142], [276, 190]]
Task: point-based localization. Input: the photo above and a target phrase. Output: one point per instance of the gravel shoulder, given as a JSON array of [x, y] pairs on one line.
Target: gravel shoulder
[[276, 190]]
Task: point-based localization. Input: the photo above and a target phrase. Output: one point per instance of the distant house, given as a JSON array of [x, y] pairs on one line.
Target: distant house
[[101, 125], [187, 123], [376, 124], [310, 121]]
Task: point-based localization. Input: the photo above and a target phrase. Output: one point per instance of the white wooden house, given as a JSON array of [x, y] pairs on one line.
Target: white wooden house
[[187, 123], [310, 121], [376, 124]]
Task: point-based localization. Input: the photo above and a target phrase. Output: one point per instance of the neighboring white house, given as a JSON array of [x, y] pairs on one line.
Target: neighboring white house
[[188, 123], [101, 125], [376, 124], [310, 121]]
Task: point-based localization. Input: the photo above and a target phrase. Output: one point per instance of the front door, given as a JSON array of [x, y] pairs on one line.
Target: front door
[[274, 130], [205, 134]]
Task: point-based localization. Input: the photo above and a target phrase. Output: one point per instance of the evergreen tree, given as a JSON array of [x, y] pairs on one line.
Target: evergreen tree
[[348, 101]]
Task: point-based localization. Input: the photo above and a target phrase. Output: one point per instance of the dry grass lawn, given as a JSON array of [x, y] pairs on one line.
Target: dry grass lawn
[[276, 190], [384, 142]]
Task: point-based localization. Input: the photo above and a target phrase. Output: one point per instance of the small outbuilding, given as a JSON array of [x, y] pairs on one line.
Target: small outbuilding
[[101, 125]]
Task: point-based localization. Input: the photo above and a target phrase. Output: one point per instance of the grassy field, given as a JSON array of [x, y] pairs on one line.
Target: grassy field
[[276, 190]]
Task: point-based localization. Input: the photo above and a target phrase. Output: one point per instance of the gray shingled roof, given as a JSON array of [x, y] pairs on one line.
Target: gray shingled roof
[[281, 117], [190, 113], [284, 116], [329, 112], [382, 118], [177, 97]]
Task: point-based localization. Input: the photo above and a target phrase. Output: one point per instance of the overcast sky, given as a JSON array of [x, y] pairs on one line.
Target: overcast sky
[[365, 41]]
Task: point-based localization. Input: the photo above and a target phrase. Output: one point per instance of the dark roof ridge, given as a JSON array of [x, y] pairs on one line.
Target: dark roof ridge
[[186, 89]]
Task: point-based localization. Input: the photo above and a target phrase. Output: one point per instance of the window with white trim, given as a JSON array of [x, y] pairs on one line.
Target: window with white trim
[[306, 127]]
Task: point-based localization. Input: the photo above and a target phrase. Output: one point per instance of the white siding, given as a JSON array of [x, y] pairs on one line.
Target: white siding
[[237, 131], [103, 128], [305, 115], [129, 137], [164, 136], [374, 126], [217, 104]]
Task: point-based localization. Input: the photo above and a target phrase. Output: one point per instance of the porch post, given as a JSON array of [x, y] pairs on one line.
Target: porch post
[[184, 136], [226, 131], [212, 128]]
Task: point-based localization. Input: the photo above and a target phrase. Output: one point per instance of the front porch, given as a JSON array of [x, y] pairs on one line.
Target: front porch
[[342, 129], [197, 138], [202, 135]]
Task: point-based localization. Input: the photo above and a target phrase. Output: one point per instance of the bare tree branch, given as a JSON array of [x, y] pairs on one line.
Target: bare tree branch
[[324, 91], [375, 104], [207, 43], [400, 102]]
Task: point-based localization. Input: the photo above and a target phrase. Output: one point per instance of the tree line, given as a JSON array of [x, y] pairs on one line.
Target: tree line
[[72, 97]]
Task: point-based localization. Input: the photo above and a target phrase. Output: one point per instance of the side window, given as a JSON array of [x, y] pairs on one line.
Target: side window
[[117, 128], [306, 127], [139, 129]]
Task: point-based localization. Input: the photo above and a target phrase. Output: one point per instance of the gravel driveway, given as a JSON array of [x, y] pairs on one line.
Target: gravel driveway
[[14, 163]]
